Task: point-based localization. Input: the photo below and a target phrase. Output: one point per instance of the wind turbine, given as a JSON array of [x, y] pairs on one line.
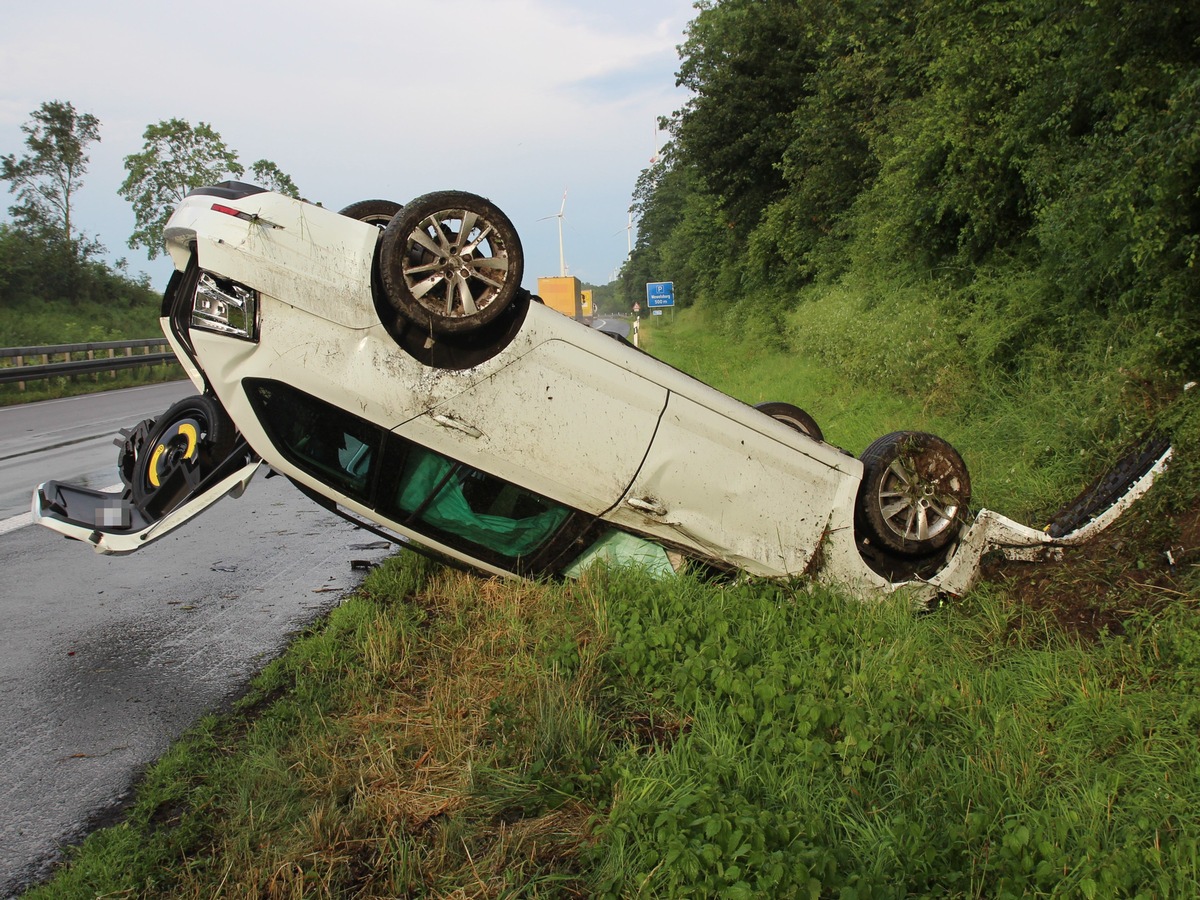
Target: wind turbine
[[562, 265], [628, 229]]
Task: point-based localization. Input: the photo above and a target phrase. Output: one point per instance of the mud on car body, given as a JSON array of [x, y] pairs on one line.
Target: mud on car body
[[387, 360]]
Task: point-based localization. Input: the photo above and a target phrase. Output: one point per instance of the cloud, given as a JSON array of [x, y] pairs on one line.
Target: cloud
[[515, 99]]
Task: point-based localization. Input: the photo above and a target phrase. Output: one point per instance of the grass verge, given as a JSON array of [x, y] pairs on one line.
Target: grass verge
[[445, 736], [442, 735]]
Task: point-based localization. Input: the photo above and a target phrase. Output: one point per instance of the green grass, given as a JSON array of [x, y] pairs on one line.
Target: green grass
[[443, 735], [835, 748], [1032, 438], [31, 323]]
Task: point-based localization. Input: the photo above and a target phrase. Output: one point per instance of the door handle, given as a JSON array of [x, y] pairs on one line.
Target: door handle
[[451, 422], [648, 505]]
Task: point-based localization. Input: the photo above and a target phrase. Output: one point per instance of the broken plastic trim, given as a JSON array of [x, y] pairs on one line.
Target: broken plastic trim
[[1015, 541]]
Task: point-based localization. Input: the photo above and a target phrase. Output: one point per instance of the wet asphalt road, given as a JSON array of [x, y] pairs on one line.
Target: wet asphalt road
[[71, 439], [107, 659]]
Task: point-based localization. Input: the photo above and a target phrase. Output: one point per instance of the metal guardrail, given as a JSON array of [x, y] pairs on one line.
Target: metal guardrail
[[80, 359]]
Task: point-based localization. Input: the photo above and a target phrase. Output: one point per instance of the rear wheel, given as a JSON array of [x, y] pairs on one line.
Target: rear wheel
[[182, 447], [450, 262], [373, 212], [914, 493], [794, 417]]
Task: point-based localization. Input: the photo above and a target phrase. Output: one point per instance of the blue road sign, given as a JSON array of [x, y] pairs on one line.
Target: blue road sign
[[660, 294]]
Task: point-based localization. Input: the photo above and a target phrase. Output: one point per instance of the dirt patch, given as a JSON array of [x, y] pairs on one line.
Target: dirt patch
[[1095, 588]]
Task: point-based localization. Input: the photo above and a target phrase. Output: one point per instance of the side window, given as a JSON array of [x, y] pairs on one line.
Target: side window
[[453, 500], [407, 483], [320, 438]]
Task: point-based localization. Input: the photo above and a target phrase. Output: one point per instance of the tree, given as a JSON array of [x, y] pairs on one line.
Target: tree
[[268, 175], [46, 178], [175, 158], [747, 63]]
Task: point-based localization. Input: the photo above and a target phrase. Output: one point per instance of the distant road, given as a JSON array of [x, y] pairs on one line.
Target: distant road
[[105, 660]]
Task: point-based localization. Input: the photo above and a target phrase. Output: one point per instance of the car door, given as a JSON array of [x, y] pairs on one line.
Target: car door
[[561, 421], [738, 486]]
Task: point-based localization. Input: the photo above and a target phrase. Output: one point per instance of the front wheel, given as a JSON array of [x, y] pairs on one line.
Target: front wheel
[[182, 447], [914, 493], [450, 262]]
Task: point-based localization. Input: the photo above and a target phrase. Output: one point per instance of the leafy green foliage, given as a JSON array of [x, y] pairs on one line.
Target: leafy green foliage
[[267, 174], [50, 296], [46, 178], [937, 143], [738, 133], [175, 158], [833, 748]]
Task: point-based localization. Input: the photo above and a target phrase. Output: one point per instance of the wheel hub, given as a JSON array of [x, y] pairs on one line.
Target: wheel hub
[[914, 509]]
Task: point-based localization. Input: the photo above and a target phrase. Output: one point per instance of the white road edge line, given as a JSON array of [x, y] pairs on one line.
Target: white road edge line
[[16, 522]]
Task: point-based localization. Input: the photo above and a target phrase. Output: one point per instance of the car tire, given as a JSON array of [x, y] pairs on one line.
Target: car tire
[[374, 212], [444, 280], [914, 493], [792, 416], [180, 448]]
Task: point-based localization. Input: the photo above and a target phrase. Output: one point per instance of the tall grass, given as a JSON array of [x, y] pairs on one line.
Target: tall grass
[[865, 363]]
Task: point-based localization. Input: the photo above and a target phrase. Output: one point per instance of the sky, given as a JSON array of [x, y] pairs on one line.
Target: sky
[[517, 100]]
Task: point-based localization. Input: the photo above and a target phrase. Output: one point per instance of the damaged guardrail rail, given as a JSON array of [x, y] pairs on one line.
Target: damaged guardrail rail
[[21, 364]]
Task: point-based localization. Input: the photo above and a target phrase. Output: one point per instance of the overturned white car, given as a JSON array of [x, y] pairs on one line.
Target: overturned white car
[[388, 362]]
